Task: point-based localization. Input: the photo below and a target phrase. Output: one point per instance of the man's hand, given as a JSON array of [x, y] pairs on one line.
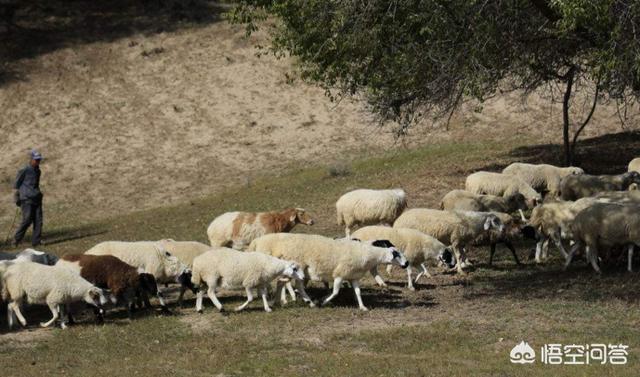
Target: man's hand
[[16, 197]]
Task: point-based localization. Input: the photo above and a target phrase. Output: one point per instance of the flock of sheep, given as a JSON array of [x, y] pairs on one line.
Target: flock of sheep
[[594, 215]]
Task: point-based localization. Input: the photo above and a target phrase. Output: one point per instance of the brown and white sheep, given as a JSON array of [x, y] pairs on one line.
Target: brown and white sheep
[[238, 229], [124, 281]]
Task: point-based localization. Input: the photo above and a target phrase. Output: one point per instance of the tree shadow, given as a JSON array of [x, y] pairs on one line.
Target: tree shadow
[[43, 26], [607, 154]]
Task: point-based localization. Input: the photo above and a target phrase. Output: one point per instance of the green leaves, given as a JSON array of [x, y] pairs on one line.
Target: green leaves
[[412, 57]]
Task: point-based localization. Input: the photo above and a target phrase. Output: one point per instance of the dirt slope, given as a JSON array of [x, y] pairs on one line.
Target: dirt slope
[[146, 119]]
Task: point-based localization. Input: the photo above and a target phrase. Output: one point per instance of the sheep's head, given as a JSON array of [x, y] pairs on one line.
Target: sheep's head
[[96, 297], [300, 216], [517, 201], [393, 256], [293, 271], [574, 170], [184, 279], [446, 257], [631, 178], [493, 222], [147, 283]]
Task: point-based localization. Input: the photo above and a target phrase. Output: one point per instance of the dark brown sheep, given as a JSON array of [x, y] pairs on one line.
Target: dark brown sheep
[[106, 271]]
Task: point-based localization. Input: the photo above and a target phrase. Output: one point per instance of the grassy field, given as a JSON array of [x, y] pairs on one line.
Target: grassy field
[[450, 326]]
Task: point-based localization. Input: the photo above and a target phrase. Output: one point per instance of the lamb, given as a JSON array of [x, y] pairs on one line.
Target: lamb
[[634, 165], [468, 201], [514, 228], [152, 258], [234, 269], [238, 229], [30, 255], [499, 184], [603, 226], [455, 228], [106, 271], [573, 187], [41, 284], [416, 246], [542, 177], [370, 207], [327, 260]]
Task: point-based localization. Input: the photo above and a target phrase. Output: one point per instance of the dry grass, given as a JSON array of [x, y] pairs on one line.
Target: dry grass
[[451, 326]]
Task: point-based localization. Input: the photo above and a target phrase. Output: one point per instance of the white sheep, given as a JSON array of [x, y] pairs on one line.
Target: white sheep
[[328, 260], [484, 182], [604, 226], [232, 269], [238, 229], [455, 228], [467, 201], [416, 246], [542, 177], [31, 255], [370, 207], [634, 165], [151, 257], [41, 284], [573, 187], [185, 251]]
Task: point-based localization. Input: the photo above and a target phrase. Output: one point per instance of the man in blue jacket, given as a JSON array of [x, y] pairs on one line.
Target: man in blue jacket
[[29, 198]]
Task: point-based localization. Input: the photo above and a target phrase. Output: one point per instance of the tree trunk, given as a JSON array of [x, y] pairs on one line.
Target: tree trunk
[[568, 155]]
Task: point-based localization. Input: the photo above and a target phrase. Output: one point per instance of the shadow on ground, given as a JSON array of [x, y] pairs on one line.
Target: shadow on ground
[[41, 26], [607, 154]]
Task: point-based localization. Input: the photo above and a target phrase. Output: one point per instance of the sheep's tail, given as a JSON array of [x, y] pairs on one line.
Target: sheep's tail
[[442, 206]]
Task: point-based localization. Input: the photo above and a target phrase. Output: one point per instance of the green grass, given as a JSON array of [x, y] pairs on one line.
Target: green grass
[[451, 326]]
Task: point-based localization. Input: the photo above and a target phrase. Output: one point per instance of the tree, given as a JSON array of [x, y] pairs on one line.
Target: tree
[[413, 58]]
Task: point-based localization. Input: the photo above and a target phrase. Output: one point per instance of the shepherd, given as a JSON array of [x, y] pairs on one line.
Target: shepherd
[[28, 197]]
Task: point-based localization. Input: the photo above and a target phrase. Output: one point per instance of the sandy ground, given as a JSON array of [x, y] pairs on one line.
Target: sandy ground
[[151, 119]]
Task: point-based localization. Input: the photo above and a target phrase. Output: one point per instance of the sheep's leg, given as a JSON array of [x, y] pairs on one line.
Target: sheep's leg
[[630, 258], [55, 311], [347, 231], [457, 252], [558, 241], [509, 246], [545, 249], [424, 272], [279, 294], [265, 299], [377, 277], [493, 251], [356, 289], [63, 309], [409, 281], [389, 269], [593, 257], [539, 248], [181, 295], [304, 294], [212, 295], [11, 316], [291, 291], [569, 258], [15, 307], [337, 284], [199, 297], [249, 299]]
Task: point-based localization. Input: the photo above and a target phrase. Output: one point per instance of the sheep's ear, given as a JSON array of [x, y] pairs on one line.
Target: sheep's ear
[[293, 217], [487, 224]]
